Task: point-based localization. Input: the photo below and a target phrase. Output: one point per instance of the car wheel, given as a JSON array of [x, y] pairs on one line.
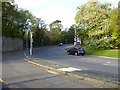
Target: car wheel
[[82, 54], [76, 54], [68, 53]]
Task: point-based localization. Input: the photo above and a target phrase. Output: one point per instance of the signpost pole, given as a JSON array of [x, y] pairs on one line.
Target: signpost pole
[[31, 41], [75, 38]]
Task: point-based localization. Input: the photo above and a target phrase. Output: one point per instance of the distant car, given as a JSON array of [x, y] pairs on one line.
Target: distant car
[[60, 44], [76, 51]]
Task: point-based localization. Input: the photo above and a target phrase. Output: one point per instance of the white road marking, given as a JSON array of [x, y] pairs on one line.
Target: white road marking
[[25, 55], [70, 69], [108, 62], [107, 57], [111, 65]]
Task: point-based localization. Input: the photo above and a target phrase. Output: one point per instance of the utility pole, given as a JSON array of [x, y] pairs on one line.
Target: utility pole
[[31, 41]]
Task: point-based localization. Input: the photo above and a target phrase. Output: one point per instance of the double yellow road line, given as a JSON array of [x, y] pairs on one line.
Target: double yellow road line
[[1, 80], [52, 72]]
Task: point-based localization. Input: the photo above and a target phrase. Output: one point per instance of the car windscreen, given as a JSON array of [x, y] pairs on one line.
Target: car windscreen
[[80, 48]]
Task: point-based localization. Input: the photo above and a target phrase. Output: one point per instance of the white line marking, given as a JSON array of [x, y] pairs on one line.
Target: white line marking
[[108, 62], [70, 69]]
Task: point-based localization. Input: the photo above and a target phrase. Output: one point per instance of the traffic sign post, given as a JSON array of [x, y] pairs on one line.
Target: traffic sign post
[[31, 41], [27, 39], [75, 36]]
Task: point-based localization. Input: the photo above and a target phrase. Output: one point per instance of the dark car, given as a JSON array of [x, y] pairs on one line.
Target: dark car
[[60, 44], [76, 51]]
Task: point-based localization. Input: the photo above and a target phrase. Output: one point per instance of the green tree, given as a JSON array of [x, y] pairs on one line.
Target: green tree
[[14, 20], [9, 23], [70, 34], [114, 28], [92, 22], [55, 31], [39, 30]]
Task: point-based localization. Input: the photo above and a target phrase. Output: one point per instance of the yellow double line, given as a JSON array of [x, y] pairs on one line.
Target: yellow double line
[[52, 72], [1, 80]]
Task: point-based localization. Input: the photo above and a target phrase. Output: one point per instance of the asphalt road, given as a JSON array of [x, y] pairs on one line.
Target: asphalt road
[[17, 73], [107, 66]]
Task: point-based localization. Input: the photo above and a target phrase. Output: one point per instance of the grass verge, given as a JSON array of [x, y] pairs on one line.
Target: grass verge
[[108, 53]]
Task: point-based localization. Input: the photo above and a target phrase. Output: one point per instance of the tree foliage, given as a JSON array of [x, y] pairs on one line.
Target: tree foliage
[[55, 31], [97, 25], [114, 27], [16, 22]]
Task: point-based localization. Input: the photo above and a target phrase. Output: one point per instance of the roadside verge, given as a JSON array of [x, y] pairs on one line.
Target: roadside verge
[[114, 54], [54, 67]]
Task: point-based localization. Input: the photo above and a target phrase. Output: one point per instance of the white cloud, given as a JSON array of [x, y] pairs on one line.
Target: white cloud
[[56, 12], [51, 10], [31, 3]]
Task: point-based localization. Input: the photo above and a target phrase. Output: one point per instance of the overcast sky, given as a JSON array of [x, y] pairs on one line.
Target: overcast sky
[[51, 10]]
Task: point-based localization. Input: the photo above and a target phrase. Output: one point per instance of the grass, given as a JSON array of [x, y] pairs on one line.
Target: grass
[[66, 49], [108, 53]]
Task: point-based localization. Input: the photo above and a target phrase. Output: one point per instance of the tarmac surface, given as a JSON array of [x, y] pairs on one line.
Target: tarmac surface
[[16, 73], [97, 64]]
